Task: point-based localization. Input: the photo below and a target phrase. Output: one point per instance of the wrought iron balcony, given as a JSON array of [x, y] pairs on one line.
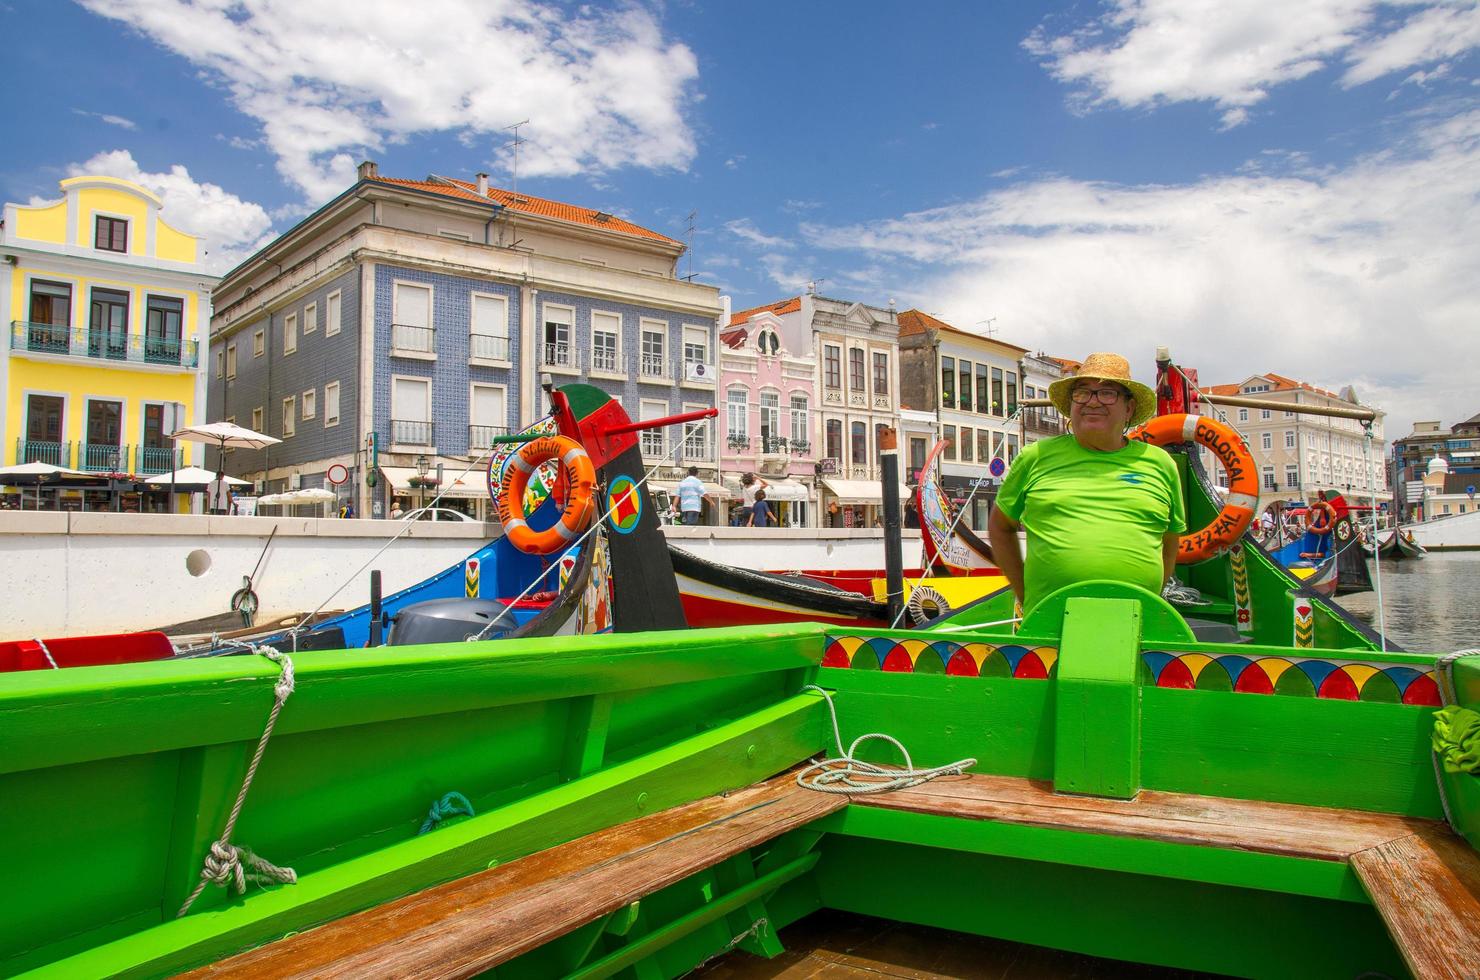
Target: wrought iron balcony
[[405, 432], [102, 457], [489, 347], [88, 344], [413, 339], [33, 451], [738, 443], [151, 460], [775, 446]]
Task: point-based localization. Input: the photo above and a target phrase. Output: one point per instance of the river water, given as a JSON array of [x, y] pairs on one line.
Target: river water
[[1431, 605]]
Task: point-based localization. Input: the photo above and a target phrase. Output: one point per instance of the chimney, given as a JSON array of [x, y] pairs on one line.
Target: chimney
[[368, 170], [482, 185]]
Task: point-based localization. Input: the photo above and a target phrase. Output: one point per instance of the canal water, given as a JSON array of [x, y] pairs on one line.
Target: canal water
[[1431, 605]]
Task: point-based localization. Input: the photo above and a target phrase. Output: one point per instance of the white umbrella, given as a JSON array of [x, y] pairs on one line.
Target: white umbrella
[[34, 474], [223, 435], [194, 475], [308, 495]]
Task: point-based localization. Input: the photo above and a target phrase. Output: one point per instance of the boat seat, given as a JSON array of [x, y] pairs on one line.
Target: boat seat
[[1423, 880], [1212, 631], [471, 925]]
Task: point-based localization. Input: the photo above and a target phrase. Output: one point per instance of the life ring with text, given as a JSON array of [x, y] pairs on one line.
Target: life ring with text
[[579, 478], [1243, 485], [1320, 518]]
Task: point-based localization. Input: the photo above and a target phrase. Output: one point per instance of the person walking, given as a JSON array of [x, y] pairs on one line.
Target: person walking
[[691, 497], [1095, 504], [750, 485], [760, 511]]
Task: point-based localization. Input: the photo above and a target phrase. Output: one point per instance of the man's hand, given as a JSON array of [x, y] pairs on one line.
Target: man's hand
[[1002, 535]]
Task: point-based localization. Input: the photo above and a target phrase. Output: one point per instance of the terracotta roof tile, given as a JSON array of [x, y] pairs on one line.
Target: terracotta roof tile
[[914, 321], [780, 308], [528, 203], [1277, 382]]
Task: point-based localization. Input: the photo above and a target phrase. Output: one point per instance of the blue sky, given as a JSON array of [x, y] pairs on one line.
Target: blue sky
[[1261, 186]]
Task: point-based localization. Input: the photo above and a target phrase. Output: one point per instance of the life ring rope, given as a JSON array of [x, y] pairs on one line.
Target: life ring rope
[[580, 483], [1239, 503]]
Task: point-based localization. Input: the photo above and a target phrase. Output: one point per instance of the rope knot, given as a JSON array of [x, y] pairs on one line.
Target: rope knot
[[452, 805], [285, 681]]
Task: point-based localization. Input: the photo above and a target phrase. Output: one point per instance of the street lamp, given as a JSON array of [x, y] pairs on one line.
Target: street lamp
[[423, 466]]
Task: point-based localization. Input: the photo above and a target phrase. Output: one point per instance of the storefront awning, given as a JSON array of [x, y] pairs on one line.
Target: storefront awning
[[469, 485], [860, 491], [672, 488]]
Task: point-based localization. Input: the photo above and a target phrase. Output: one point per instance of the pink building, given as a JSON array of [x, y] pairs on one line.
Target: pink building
[[768, 390]]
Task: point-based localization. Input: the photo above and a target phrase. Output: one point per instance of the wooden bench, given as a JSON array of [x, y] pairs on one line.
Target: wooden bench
[[1423, 880], [473, 924]]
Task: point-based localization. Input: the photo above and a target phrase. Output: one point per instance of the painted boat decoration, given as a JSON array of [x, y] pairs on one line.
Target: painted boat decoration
[[948, 542]]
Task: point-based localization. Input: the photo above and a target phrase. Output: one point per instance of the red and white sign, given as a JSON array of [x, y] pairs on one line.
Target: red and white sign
[[337, 474]]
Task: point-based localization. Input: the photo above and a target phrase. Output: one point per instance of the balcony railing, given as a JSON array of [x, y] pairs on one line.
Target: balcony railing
[[654, 443], [83, 342], [55, 453], [405, 432], [695, 448], [151, 460], [557, 355], [489, 347], [775, 445], [482, 436], [419, 340], [653, 366], [103, 458], [737, 443], [604, 360]]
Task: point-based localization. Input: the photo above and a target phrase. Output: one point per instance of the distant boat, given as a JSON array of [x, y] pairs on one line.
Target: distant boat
[[1400, 546]]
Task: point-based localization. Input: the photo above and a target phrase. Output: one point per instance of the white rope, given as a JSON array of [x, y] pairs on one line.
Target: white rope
[[47, 652], [1376, 561], [851, 776], [227, 864], [697, 427], [965, 506]]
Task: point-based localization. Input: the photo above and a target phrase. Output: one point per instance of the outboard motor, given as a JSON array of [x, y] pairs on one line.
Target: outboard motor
[[449, 621]]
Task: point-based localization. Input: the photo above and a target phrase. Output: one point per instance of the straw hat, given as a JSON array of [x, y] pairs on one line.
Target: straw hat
[[1106, 367]]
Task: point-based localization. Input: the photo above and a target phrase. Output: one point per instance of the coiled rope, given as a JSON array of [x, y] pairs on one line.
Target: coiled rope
[[227, 864], [851, 776], [452, 805]]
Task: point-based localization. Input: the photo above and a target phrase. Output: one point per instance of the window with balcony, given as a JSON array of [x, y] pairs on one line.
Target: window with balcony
[[965, 387], [983, 392], [858, 443], [855, 369], [833, 439], [653, 351], [696, 436], [101, 453], [44, 415], [948, 382], [737, 422], [331, 403], [801, 425], [832, 366], [107, 331], [555, 341], [606, 343], [997, 391], [411, 411], [488, 328], [290, 333], [164, 318], [696, 353], [290, 421], [333, 306], [311, 318], [488, 415], [155, 453], [411, 319], [110, 234], [771, 438], [654, 441], [49, 329], [881, 374]]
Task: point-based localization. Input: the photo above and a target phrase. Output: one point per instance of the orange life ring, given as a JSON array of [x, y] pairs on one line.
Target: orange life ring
[[1318, 510], [1243, 485], [580, 482]]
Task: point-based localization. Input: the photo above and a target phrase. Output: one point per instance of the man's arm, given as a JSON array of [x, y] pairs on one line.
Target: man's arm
[[1002, 535], [1169, 554]]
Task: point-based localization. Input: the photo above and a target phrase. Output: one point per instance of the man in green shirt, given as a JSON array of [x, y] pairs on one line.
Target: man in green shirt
[[1095, 505]]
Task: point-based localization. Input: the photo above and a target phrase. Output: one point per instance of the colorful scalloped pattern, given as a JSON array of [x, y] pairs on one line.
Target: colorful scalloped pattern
[[1344, 680], [939, 657]]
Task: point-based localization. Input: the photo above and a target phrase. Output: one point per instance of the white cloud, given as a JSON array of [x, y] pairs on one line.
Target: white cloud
[[1363, 275], [230, 227], [1231, 53], [332, 80], [745, 229], [119, 121], [733, 163]]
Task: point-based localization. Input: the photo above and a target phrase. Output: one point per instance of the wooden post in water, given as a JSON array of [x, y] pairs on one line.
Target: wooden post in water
[[893, 547]]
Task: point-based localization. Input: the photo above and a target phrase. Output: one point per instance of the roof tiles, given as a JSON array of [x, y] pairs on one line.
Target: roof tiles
[[779, 308]]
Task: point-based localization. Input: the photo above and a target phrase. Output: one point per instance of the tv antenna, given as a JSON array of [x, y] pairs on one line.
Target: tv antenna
[[812, 285], [693, 216], [987, 327], [516, 142]]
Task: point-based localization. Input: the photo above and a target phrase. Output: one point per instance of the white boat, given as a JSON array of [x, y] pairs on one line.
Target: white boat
[[1452, 532]]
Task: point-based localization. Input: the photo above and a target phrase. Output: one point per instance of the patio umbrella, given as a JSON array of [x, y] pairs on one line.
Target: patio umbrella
[[222, 435], [33, 475], [192, 476]]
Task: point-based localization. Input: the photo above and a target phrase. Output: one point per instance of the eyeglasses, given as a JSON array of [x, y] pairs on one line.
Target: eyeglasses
[[1105, 396]]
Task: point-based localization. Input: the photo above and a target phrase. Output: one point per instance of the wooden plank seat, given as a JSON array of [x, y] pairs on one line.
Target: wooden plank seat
[[470, 925], [1423, 880]]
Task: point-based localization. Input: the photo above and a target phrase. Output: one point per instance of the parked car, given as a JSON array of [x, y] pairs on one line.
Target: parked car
[[438, 514]]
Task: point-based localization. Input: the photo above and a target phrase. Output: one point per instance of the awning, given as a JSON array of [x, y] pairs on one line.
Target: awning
[[860, 491], [470, 485], [672, 488]]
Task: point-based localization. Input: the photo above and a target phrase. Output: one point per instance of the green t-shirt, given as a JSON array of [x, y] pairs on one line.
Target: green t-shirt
[[1092, 515]]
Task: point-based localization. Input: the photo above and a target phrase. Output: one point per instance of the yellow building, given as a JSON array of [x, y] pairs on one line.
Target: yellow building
[[106, 304]]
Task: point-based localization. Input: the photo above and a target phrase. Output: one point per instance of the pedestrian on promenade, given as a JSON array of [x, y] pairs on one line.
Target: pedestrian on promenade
[[750, 485], [760, 511], [691, 496]]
